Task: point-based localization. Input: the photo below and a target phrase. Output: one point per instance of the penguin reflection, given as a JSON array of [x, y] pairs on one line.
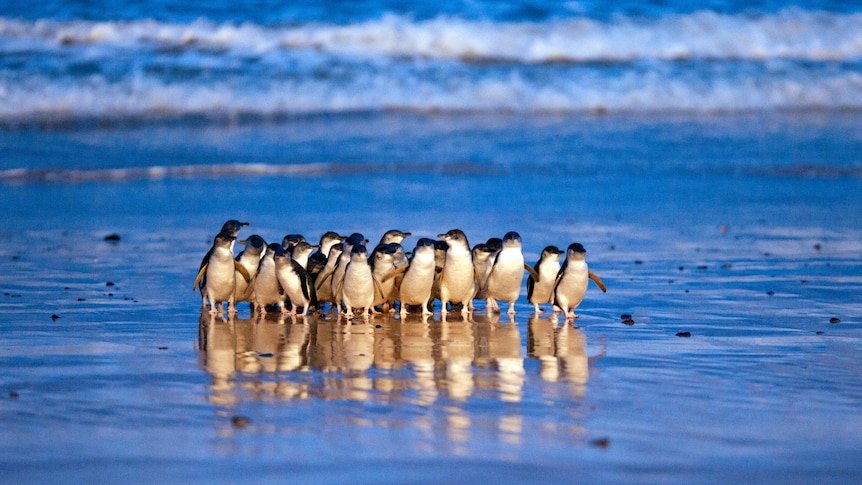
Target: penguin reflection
[[562, 352]]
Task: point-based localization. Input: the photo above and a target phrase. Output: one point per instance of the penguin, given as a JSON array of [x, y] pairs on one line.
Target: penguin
[[300, 252], [294, 281], [571, 282], [506, 274], [217, 278], [418, 277], [358, 287], [317, 260], [382, 262], [394, 236], [267, 290], [540, 290], [249, 258], [323, 281], [231, 227], [400, 260], [457, 280], [482, 263], [440, 248], [338, 275]]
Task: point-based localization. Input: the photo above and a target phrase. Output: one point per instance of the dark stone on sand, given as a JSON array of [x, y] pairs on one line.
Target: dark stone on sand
[[819, 332], [602, 443], [770, 292], [110, 283], [817, 246], [625, 316], [683, 334], [702, 267], [726, 266], [834, 320], [240, 421], [163, 348], [13, 395], [55, 317], [628, 321], [82, 299], [681, 268], [112, 237], [638, 261]]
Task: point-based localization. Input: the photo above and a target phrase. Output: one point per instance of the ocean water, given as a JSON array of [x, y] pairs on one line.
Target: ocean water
[[707, 155]]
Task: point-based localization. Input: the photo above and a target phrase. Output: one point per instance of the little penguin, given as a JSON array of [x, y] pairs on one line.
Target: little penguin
[[358, 287], [506, 275], [323, 280], [418, 277], [382, 261], [458, 280], [338, 275], [217, 276], [267, 290], [249, 258], [317, 260], [294, 281], [570, 285], [540, 290], [482, 263], [231, 227]]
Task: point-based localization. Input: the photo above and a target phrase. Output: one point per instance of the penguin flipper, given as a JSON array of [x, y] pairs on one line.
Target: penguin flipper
[[532, 271], [242, 271], [201, 274], [324, 278], [598, 281], [394, 273]]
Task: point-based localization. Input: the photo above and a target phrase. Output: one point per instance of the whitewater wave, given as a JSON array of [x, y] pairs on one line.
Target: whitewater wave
[[790, 33]]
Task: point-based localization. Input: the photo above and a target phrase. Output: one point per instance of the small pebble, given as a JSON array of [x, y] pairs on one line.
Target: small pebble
[[681, 268], [638, 261], [13, 395], [726, 266], [770, 292], [683, 334], [628, 321], [625, 316], [55, 317], [110, 283], [818, 332], [603, 443], [163, 348], [112, 237], [82, 299], [834, 320], [240, 421], [817, 246], [702, 267]]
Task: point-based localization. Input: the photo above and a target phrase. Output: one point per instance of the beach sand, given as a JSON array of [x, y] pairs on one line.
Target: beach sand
[[733, 242]]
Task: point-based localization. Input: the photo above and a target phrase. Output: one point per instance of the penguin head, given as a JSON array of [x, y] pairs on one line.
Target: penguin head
[[292, 240], [551, 252], [358, 253], [233, 226], [301, 248], [254, 241], [576, 250], [512, 239], [281, 252], [356, 239], [336, 250], [483, 251], [495, 243], [272, 248], [424, 245], [224, 238], [329, 237], [394, 236], [455, 236]]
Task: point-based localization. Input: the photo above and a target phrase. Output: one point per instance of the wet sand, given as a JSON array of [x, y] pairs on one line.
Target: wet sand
[[733, 244]]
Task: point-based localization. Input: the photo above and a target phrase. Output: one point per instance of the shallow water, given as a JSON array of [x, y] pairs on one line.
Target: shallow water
[[742, 230]]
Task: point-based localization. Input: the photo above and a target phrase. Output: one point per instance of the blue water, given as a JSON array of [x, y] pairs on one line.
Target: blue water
[[107, 60]]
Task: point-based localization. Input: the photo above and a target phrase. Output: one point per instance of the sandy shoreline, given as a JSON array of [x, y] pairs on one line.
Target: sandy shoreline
[[708, 226]]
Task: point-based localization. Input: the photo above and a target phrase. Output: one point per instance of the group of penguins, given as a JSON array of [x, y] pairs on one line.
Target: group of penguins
[[297, 277]]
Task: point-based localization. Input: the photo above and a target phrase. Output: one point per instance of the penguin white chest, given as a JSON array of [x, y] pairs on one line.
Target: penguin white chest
[[507, 274], [573, 285], [358, 285], [221, 280]]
